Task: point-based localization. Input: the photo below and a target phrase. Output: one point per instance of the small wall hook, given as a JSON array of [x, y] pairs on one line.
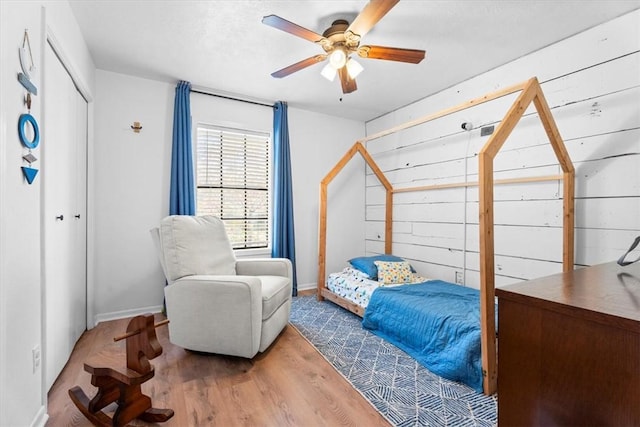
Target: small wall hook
[[136, 127]]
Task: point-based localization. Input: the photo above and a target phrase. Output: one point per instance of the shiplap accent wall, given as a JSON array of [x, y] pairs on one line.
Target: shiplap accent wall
[[592, 84]]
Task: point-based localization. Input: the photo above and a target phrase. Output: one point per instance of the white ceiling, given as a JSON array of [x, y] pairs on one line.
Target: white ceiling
[[223, 46]]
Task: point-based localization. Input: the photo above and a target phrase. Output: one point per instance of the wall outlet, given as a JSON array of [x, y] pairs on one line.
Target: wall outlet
[[459, 277], [487, 130], [36, 357]]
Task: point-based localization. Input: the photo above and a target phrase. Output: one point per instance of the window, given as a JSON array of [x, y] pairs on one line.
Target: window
[[233, 182]]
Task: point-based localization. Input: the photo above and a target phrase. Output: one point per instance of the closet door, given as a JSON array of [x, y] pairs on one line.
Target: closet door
[[79, 226], [64, 215]]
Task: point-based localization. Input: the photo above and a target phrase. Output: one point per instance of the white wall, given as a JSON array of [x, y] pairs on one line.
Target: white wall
[[132, 175], [591, 82], [22, 397], [318, 142], [20, 302], [132, 178]]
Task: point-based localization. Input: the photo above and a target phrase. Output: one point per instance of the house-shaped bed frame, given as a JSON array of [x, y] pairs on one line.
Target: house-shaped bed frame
[[530, 92]]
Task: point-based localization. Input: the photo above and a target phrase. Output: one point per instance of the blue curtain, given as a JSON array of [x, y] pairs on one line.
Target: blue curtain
[[283, 236], [182, 199]]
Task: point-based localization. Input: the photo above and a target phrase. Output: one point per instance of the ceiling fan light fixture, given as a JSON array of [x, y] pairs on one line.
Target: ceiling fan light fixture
[[340, 41], [338, 58], [328, 72], [353, 68]]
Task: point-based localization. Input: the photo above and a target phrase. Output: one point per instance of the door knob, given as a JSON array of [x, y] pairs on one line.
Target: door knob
[[60, 217], [77, 216]]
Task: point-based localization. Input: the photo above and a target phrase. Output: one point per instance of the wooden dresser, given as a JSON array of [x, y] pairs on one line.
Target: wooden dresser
[[569, 349]]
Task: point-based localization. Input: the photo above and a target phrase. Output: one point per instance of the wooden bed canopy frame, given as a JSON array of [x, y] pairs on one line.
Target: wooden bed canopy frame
[[530, 92]]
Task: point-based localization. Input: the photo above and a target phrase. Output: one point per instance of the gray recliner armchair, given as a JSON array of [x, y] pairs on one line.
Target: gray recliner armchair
[[215, 302]]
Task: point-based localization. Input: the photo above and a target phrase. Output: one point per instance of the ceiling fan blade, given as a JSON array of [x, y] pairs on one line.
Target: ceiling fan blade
[[299, 66], [291, 28], [413, 56], [369, 16], [348, 84]]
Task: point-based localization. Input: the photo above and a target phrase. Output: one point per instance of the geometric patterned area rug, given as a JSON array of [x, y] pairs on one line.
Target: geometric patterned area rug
[[399, 387]]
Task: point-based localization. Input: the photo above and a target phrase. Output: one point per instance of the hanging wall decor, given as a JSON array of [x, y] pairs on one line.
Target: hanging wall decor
[[25, 120], [28, 130], [22, 122], [27, 65], [136, 126], [29, 173]]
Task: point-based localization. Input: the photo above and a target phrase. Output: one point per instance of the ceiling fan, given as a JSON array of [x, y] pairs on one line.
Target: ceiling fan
[[341, 40]]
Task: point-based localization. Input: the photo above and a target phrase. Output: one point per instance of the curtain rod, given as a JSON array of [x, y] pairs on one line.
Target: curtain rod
[[232, 98]]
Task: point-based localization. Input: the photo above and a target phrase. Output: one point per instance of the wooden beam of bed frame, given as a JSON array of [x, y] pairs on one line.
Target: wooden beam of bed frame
[[322, 231], [460, 107], [477, 183], [530, 91]]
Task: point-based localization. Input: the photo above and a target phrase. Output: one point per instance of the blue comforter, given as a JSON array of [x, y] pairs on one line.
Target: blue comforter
[[436, 322]]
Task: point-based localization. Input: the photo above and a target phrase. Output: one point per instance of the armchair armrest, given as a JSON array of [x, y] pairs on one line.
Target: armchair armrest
[[265, 267], [216, 314]]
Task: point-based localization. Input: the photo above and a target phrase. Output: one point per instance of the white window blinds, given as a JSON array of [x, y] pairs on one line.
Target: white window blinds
[[233, 182]]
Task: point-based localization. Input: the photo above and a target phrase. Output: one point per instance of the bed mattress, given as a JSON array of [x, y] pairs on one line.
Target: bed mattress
[[355, 286]]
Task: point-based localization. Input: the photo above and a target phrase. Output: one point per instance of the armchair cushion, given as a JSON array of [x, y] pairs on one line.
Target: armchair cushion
[[275, 291], [195, 245]]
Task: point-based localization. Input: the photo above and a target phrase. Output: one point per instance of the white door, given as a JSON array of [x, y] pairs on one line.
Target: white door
[[79, 226], [64, 224]]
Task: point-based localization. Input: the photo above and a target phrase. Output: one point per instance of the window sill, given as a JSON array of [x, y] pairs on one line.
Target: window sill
[[253, 253]]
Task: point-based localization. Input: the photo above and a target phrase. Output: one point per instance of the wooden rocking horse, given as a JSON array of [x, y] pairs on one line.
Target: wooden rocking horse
[[119, 383]]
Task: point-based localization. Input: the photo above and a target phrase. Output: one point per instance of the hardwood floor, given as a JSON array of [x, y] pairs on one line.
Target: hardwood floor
[[290, 384]]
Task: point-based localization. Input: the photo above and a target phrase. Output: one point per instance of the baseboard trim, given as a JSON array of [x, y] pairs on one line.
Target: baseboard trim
[[307, 286], [115, 315], [41, 418]]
